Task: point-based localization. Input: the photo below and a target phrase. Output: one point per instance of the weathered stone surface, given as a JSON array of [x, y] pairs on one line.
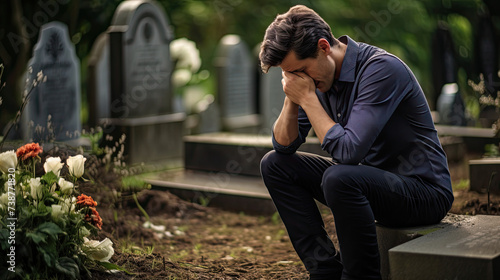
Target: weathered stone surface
[[53, 109], [466, 249], [484, 174]]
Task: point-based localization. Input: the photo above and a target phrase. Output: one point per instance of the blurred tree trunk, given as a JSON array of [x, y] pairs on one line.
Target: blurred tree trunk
[[16, 59]]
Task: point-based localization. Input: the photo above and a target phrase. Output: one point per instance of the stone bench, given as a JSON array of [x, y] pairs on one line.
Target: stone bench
[[460, 247]]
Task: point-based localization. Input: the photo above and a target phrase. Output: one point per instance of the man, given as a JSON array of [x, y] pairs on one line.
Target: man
[[371, 116]]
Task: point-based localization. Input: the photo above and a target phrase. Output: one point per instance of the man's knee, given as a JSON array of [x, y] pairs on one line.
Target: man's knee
[[271, 160], [339, 182]]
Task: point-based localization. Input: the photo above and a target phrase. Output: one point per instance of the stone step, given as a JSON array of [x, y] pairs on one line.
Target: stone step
[[218, 189], [468, 248], [233, 153]]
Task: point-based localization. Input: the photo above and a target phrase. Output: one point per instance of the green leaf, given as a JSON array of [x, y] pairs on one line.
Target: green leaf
[[49, 256], [37, 237], [68, 267], [112, 266], [50, 178], [50, 228], [4, 236]]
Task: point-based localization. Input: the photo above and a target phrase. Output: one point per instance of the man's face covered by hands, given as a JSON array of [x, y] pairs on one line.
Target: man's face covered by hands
[[317, 72]]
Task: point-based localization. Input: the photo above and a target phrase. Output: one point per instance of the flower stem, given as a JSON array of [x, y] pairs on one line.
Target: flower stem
[[134, 195]]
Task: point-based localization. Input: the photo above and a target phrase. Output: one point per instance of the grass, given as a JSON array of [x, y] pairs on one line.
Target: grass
[[461, 185]]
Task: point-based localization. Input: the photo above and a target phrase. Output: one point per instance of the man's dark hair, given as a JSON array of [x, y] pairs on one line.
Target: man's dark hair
[[297, 30]]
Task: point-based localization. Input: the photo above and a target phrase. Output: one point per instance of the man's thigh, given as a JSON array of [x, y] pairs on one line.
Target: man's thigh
[[299, 169], [395, 200]]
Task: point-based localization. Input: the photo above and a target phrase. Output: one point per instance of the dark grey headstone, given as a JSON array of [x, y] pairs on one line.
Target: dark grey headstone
[[141, 104], [271, 98], [141, 67], [484, 174], [59, 96], [236, 78], [468, 250]]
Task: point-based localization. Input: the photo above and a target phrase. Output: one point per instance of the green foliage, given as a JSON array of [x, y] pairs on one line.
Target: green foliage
[[45, 226], [491, 150]]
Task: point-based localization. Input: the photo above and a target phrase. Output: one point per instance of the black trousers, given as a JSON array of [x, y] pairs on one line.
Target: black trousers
[[357, 196]]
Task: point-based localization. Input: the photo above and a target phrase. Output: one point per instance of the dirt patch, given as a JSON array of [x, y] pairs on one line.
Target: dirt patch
[[189, 241]]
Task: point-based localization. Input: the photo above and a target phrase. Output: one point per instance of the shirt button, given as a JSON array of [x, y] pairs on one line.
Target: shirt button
[[338, 115]]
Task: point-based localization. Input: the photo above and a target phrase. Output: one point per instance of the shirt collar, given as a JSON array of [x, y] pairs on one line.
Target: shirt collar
[[348, 69]]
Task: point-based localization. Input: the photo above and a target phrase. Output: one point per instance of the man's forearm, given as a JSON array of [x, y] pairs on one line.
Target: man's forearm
[[286, 127], [318, 117]]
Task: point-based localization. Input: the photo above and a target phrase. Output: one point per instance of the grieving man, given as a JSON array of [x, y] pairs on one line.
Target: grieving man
[[370, 114]]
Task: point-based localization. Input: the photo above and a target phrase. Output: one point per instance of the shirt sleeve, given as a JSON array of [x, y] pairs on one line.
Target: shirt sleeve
[[304, 127], [381, 87]]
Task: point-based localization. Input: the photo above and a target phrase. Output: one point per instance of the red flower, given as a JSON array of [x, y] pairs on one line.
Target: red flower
[[85, 200], [94, 218], [27, 151]]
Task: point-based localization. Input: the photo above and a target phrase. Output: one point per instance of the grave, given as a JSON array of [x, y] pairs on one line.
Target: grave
[[236, 86], [484, 174], [98, 81], [53, 109], [141, 100], [468, 248], [271, 98]]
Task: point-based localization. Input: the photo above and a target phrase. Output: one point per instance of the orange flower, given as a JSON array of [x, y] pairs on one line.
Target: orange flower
[[85, 200], [27, 151], [94, 218]]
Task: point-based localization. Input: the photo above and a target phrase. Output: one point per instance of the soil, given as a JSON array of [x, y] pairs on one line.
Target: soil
[[204, 242]]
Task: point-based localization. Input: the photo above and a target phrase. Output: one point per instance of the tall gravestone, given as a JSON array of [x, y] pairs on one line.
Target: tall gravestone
[[53, 108], [98, 81], [236, 85], [141, 96], [271, 98]]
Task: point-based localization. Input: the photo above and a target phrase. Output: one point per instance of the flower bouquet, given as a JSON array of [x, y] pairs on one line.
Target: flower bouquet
[[45, 224]]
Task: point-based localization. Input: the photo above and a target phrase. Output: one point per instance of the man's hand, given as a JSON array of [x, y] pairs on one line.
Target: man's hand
[[298, 86]]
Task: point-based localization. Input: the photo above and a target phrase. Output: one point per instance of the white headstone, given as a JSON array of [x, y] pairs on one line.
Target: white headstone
[[53, 109]]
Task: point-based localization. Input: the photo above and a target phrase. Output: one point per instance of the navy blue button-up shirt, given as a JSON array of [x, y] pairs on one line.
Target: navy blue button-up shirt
[[382, 118]]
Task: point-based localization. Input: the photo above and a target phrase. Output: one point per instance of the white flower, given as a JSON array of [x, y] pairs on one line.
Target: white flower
[[66, 187], [36, 188], [181, 77], [99, 251], [56, 211], [76, 165], [8, 160], [186, 54], [68, 204], [53, 164]]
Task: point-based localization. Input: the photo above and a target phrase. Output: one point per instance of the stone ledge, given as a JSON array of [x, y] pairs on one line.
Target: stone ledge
[[466, 247]]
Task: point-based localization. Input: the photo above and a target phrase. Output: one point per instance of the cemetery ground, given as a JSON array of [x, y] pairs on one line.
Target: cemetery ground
[[200, 242]]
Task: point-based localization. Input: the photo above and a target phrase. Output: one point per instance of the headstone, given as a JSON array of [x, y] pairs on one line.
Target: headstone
[[469, 249], [141, 94], [53, 109], [236, 88], [140, 62], [271, 98], [450, 106], [484, 175], [98, 81]]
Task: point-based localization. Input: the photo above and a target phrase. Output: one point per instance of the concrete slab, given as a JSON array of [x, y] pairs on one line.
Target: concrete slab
[[467, 249], [219, 189]]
